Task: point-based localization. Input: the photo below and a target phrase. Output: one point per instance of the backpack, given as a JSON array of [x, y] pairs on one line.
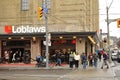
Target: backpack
[[105, 56]]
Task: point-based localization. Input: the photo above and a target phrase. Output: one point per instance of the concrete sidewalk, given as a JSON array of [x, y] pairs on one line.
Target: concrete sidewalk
[[91, 73], [33, 66]]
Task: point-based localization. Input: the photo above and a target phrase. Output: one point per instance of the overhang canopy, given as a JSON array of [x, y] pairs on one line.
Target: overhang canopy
[[54, 34]]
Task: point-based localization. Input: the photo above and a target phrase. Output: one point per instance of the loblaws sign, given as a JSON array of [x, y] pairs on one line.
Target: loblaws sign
[[24, 29]]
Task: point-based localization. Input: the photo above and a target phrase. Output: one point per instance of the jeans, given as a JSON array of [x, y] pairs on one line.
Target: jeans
[[58, 61], [95, 63], [105, 63], [84, 65]]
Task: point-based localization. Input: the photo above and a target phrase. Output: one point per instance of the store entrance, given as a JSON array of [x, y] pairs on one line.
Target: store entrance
[[15, 49], [20, 52], [62, 46]]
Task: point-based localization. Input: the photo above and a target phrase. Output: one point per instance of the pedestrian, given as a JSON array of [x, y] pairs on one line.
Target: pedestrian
[[39, 60], [71, 59], [76, 58], [6, 56], [95, 59], [13, 58], [105, 58], [81, 58], [90, 59], [99, 55], [58, 57], [84, 60]]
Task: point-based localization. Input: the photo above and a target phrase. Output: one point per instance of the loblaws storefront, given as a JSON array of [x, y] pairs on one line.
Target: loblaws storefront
[[30, 41]]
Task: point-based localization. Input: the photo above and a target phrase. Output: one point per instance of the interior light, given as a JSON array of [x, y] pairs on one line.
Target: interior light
[[22, 37], [60, 37], [34, 38], [9, 37], [74, 37]]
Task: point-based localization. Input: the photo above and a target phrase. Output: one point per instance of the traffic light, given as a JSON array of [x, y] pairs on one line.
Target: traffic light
[[118, 23], [40, 13]]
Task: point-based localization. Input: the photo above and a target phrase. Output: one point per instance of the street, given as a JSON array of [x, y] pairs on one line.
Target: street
[[54, 75], [117, 70]]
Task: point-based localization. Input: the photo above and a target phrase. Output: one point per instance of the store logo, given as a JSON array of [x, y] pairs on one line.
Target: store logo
[[8, 29], [24, 29]]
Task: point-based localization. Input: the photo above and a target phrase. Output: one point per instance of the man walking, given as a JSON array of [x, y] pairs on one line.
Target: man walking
[[105, 58]]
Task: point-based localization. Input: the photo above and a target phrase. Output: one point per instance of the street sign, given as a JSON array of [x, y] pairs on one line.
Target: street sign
[[49, 43]]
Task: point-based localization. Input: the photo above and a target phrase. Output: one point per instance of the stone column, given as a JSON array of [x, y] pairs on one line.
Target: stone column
[[35, 48], [80, 45]]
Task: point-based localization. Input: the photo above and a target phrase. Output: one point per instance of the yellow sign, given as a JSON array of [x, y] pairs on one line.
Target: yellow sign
[[91, 39]]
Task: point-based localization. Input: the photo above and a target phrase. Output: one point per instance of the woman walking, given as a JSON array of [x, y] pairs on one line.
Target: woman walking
[[77, 58]]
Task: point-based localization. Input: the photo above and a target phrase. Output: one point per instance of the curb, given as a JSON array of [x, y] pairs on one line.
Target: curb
[[34, 68]]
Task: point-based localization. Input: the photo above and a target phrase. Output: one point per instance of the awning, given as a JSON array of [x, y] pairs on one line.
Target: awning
[[56, 34]]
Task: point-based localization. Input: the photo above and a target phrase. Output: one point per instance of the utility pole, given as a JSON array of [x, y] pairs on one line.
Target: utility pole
[[46, 34], [47, 47], [108, 34]]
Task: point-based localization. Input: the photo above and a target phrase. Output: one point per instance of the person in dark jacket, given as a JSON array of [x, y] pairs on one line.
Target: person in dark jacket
[[71, 60], [84, 60], [95, 59], [105, 58], [58, 57]]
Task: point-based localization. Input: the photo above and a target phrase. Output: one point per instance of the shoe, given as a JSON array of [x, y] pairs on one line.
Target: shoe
[[101, 67], [107, 67]]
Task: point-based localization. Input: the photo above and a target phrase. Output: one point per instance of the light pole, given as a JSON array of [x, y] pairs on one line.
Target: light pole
[[47, 47], [108, 34], [47, 33]]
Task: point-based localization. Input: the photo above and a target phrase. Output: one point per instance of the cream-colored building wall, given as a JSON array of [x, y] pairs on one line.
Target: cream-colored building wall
[[8, 11], [73, 15], [92, 16], [95, 15]]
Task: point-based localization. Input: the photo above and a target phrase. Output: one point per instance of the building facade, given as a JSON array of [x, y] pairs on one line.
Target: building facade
[[73, 24]]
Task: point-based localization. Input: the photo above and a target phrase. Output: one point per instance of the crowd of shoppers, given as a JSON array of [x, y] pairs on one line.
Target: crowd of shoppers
[[70, 57], [90, 59]]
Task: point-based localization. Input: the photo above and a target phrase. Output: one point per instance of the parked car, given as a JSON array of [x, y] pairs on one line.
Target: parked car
[[118, 57], [114, 55]]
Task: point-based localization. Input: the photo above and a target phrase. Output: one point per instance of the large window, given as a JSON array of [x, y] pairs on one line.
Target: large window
[[25, 5]]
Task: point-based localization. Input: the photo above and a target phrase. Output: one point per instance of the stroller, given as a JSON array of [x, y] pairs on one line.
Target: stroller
[[40, 61]]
